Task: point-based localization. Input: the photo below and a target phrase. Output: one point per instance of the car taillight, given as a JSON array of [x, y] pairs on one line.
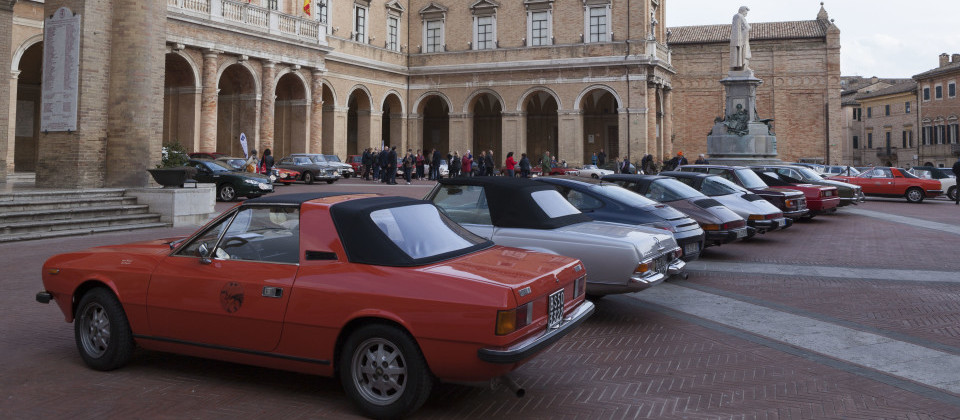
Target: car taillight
[[580, 287], [644, 267], [774, 216], [514, 319], [734, 225], [757, 217], [710, 227], [677, 253]]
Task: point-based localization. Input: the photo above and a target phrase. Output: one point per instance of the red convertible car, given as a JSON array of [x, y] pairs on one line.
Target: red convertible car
[[406, 298], [894, 182]]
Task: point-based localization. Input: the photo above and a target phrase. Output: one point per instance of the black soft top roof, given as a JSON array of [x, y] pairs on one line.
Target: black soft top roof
[[643, 181], [511, 202]]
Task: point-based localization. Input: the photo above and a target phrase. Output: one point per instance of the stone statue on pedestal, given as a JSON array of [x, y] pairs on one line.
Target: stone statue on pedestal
[[740, 41]]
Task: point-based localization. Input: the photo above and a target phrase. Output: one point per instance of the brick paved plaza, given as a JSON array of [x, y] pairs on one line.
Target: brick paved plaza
[[852, 315]]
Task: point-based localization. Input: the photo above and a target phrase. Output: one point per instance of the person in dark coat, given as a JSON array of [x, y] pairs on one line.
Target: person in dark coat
[[524, 166], [419, 163], [466, 164], [366, 160], [646, 163], [435, 165], [488, 163], [454, 165], [382, 164], [266, 163], [701, 160], [601, 158], [391, 177], [408, 162], [956, 171]]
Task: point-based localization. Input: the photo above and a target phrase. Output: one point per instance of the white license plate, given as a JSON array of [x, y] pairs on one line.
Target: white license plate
[[555, 310], [741, 233], [691, 248]]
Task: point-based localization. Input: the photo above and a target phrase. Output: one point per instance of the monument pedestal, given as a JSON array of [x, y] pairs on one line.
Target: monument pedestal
[[741, 138]]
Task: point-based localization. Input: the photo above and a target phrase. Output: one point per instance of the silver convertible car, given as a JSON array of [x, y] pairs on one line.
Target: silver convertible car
[[525, 214]]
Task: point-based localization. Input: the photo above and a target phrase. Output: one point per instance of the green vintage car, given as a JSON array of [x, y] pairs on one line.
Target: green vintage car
[[849, 193], [230, 182]]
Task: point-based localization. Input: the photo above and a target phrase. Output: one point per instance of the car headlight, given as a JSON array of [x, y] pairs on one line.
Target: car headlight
[[251, 181]]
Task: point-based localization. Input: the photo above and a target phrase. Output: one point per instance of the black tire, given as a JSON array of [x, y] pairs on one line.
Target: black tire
[[226, 192], [595, 176], [410, 372], [914, 195], [102, 331], [952, 193], [308, 177], [331, 181], [346, 176]]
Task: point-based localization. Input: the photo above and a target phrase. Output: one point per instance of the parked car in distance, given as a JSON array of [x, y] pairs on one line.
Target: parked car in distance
[[820, 199], [894, 182], [310, 171], [346, 169], [948, 181], [283, 176], [849, 193], [840, 170], [792, 203], [760, 215], [720, 224], [277, 282], [206, 155], [230, 182], [593, 171], [444, 168], [608, 202], [528, 214], [356, 162], [562, 170], [237, 163]]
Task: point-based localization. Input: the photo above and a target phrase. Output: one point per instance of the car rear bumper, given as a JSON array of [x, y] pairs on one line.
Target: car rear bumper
[[796, 214], [824, 204], [772, 224], [725, 236], [691, 241], [528, 348]]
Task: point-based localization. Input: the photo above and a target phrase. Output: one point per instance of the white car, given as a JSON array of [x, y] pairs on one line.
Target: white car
[[948, 182], [593, 171]]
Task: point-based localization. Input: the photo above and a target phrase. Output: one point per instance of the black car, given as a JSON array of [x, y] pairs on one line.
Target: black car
[[791, 202], [609, 202], [230, 182]]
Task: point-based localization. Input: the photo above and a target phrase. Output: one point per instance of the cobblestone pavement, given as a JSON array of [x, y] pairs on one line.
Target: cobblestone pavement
[[823, 320]]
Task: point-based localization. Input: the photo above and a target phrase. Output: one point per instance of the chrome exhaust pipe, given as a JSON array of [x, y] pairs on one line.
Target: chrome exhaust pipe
[[508, 382]]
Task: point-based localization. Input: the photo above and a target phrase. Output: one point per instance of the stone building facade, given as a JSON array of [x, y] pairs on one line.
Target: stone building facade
[[939, 111], [566, 76], [851, 114], [799, 63], [887, 134]]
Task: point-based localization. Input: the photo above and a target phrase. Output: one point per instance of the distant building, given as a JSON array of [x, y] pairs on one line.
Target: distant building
[[851, 116], [939, 109], [887, 119]]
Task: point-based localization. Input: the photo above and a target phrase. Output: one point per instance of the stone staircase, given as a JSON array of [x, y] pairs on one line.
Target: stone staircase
[[41, 214]]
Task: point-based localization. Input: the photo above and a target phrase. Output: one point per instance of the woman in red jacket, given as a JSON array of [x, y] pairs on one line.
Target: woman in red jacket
[[511, 165], [466, 164]]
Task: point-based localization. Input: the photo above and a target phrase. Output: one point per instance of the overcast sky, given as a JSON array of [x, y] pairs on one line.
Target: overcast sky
[[883, 38]]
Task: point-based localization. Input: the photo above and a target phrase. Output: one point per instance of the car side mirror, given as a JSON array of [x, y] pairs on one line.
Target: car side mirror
[[204, 253]]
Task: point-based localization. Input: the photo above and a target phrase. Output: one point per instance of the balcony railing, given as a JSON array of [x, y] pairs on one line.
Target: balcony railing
[[883, 152], [254, 18]]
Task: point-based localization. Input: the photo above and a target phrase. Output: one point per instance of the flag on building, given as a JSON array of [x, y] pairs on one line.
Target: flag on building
[[306, 7]]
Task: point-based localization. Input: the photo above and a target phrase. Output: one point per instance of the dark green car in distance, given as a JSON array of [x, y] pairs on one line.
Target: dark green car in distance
[[230, 182], [849, 193]]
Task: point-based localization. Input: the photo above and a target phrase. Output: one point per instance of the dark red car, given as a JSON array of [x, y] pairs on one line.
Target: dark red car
[[820, 199], [356, 161]]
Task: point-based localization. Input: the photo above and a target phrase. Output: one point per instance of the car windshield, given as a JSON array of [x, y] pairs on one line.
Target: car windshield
[[553, 204], [666, 190], [624, 195], [332, 158], [217, 166], [235, 163], [809, 174], [421, 231], [750, 179], [317, 159], [302, 160], [715, 186], [589, 166]]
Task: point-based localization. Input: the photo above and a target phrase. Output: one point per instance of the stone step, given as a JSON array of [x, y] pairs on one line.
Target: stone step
[[78, 232], [33, 206], [21, 228], [59, 195], [72, 213]]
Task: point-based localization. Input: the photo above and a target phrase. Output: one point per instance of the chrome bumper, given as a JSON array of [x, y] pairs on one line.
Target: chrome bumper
[[528, 348], [676, 267]]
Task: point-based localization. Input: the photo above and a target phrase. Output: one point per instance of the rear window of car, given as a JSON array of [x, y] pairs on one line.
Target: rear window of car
[[666, 190], [750, 179], [421, 231], [716, 186], [624, 195], [553, 204]]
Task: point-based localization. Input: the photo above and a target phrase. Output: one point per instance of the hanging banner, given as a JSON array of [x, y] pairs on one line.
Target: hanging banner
[[243, 144], [61, 71], [306, 7]]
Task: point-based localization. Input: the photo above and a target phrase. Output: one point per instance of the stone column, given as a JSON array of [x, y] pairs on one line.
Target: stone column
[[570, 133], [329, 118], [9, 144], [514, 133], [415, 130], [375, 128], [6, 95], [267, 105], [209, 102], [135, 116], [315, 134], [339, 137], [668, 125], [461, 133], [398, 132]]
